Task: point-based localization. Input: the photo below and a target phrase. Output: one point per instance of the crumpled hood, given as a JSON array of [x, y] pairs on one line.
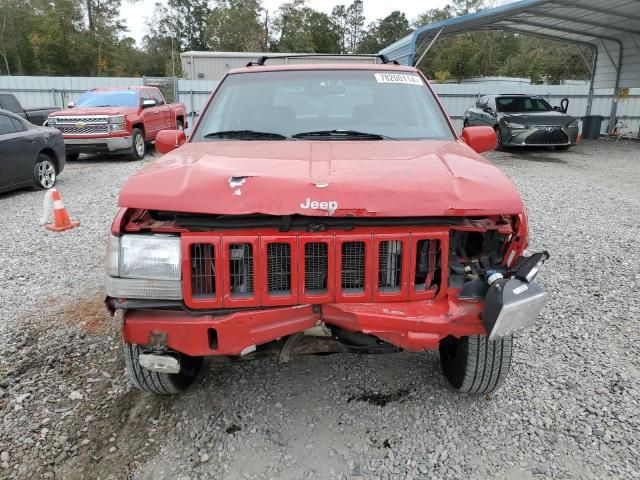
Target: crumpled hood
[[83, 111], [341, 178], [539, 118]]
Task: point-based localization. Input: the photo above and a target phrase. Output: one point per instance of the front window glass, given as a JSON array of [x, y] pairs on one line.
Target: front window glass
[[522, 104], [396, 105], [110, 98]]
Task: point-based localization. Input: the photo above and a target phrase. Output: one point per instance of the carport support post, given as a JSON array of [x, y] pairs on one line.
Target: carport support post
[[426, 50], [594, 61]]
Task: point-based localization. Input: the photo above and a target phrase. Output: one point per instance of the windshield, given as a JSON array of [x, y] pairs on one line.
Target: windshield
[[111, 98], [324, 104], [522, 104]]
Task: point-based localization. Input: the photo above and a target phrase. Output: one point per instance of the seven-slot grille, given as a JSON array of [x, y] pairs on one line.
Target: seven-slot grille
[[263, 270]]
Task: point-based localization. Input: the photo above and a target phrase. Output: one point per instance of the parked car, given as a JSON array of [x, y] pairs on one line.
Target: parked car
[[117, 120], [37, 116], [524, 121], [30, 155], [321, 208]]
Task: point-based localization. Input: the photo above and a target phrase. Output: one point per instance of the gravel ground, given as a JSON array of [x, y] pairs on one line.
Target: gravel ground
[[570, 408]]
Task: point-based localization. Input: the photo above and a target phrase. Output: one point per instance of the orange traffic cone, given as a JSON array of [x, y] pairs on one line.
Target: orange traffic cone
[[61, 220]]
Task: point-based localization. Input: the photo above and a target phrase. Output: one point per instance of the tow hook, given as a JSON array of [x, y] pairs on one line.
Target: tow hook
[[160, 363]]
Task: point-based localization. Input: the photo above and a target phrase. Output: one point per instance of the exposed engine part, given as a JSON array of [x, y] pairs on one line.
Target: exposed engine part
[[471, 255]]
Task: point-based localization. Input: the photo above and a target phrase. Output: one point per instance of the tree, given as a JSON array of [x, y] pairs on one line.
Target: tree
[[340, 27], [355, 22], [433, 15], [183, 20], [236, 26], [384, 32], [464, 7], [303, 29]]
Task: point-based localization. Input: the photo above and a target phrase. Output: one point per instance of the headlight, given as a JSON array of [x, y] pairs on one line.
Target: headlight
[[117, 123], [144, 266], [51, 121], [152, 256], [517, 126], [573, 124]]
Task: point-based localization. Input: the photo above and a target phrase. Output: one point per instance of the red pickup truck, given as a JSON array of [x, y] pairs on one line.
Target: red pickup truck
[[116, 120], [321, 209]]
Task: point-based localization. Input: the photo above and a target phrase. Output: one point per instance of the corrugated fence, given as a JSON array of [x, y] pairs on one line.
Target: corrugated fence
[[58, 91]]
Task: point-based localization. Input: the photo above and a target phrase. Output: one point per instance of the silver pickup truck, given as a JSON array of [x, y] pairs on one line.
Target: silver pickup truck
[[37, 116]]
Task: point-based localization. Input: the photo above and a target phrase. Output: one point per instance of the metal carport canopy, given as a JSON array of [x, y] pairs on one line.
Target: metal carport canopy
[[611, 28]]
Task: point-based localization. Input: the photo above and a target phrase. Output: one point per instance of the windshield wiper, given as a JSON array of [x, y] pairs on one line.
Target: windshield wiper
[[332, 134], [246, 134]]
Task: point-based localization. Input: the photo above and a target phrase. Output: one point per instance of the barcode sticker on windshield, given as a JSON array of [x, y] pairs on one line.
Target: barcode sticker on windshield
[[398, 78]]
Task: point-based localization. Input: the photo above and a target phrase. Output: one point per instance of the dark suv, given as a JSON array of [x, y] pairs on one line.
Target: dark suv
[[524, 121]]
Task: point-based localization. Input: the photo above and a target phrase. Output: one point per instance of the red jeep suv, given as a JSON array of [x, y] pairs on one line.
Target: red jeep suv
[[321, 208]]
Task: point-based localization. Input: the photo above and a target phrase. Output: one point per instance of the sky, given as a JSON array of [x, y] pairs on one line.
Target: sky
[[373, 10]]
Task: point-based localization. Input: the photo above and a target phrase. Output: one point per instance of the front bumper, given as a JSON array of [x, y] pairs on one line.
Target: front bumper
[[539, 136], [98, 144], [412, 326]]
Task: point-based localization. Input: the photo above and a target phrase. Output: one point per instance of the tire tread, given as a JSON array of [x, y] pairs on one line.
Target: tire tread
[[148, 381], [485, 366]]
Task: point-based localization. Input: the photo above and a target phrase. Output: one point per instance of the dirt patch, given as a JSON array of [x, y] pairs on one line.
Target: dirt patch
[[89, 313], [380, 399]]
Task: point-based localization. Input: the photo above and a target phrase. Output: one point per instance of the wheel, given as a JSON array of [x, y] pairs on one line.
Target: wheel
[[138, 144], [180, 125], [72, 157], [44, 172], [159, 383], [499, 145], [475, 364], [563, 147]]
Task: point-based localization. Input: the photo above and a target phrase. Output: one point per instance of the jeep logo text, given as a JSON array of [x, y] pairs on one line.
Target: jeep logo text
[[315, 205]]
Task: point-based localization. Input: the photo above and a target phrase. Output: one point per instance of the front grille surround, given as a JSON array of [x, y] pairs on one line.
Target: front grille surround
[[87, 125], [306, 268]]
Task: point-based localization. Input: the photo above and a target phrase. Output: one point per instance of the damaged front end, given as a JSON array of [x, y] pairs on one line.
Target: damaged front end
[[244, 285]]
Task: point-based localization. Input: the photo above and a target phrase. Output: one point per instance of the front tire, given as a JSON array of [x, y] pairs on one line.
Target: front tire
[[155, 382], [138, 144], [44, 173], [499, 145], [475, 364]]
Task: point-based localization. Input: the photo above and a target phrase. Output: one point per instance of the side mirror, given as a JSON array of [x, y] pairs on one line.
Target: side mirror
[[481, 139], [71, 104], [168, 140], [558, 109], [148, 103]]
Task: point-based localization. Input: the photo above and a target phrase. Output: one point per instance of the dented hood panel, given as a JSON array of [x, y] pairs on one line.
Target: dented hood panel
[[341, 178]]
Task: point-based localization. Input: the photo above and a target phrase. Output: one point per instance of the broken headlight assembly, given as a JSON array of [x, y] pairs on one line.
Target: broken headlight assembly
[[512, 304], [144, 266]]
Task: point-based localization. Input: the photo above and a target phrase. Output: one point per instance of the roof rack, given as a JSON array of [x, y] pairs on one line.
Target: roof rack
[[261, 60]]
